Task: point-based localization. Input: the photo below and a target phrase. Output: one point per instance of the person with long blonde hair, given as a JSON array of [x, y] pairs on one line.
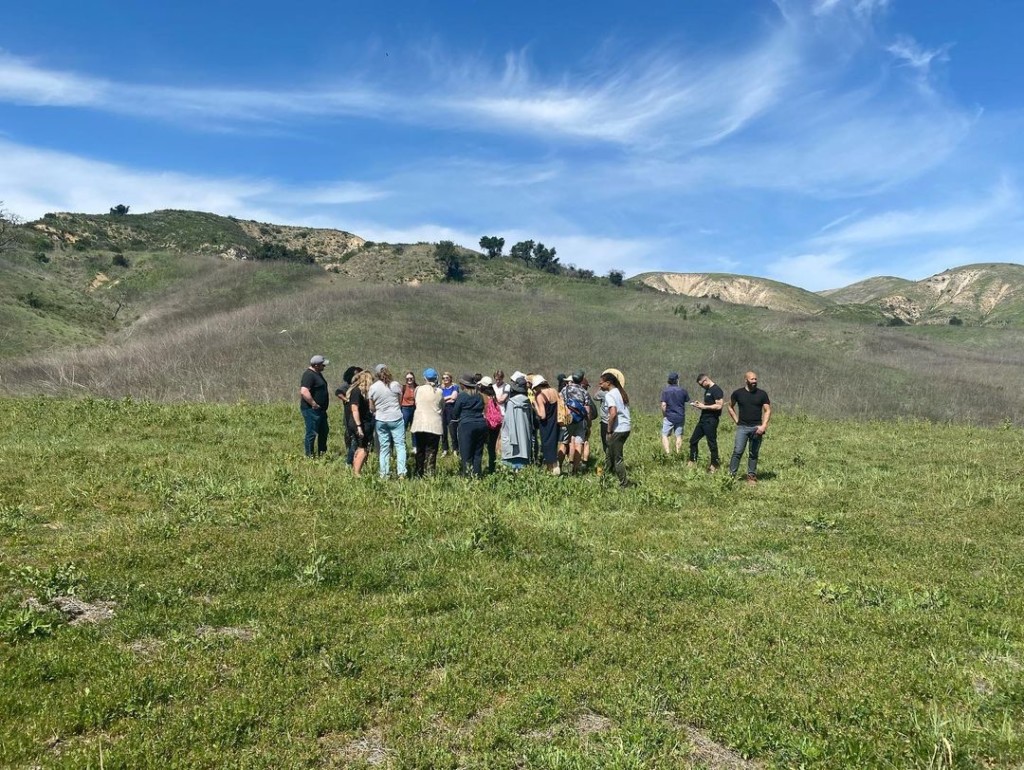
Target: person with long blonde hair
[[362, 418]]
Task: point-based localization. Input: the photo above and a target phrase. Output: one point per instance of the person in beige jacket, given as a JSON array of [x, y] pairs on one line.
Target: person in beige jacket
[[426, 424]]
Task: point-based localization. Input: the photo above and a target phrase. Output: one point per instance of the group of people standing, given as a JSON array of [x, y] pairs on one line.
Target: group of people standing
[[522, 421]]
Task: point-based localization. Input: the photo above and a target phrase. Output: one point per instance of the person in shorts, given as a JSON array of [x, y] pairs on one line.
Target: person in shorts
[[673, 413], [576, 400]]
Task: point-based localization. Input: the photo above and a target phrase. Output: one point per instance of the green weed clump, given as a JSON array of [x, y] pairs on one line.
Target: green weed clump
[[861, 606]]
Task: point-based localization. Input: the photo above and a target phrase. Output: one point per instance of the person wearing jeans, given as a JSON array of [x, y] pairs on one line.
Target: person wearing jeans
[[385, 397], [751, 409], [314, 400]]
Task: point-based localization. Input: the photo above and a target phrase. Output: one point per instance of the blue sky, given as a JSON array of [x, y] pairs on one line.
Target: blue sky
[[816, 142]]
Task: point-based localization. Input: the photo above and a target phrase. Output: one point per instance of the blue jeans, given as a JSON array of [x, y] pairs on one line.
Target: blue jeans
[[391, 434], [745, 434], [316, 429], [407, 415]]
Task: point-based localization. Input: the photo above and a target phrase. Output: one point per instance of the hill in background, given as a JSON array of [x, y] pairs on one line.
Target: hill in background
[[174, 306], [990, 293]]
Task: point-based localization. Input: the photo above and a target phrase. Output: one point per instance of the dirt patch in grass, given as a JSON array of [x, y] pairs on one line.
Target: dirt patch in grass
[[708, 753], [226, 632], [587, 723], [77, 611], [367, 749], [146, 647]]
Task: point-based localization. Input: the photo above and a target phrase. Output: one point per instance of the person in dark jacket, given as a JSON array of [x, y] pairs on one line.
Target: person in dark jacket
[[468, 411]]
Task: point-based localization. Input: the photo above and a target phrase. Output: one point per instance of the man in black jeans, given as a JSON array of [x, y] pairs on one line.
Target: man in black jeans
[[315, 398], [707, 426]]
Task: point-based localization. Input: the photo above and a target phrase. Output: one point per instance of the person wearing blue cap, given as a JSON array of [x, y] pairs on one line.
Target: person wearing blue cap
[[673, 413], [427, 425]]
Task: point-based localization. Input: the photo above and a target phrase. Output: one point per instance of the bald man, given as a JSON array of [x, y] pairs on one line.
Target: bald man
[[751, 409]]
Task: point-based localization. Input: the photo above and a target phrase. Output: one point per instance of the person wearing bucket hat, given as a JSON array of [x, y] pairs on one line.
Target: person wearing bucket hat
[[314, 400], [619, 424], [427, 424], [673, 413], [468, 411]]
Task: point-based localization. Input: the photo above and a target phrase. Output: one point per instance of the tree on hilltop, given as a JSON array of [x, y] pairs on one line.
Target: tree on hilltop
[[447, 255], [9, 222], [493, 245], [522, 250], [119, 210], [545, 259], [615, 277]]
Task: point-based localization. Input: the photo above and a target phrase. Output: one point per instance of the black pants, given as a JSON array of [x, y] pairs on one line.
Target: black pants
[[472, 437], [492, 447], [614, 462], [426, 453], [707, 427], [604, 436]]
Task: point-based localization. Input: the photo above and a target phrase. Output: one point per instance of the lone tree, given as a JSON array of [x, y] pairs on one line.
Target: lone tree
[[119, 210], [447, 254], [9, 222], [522, 250], [615, 277], [493, 245], [545, 258]]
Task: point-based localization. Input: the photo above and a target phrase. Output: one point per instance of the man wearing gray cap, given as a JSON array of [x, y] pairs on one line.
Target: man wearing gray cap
[[314, 398]]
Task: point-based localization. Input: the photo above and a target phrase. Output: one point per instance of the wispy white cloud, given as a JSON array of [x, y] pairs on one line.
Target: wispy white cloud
[[910, 53], [862, 8], [36, 181], [815, 272], [658, 98], [700, 102], [899, 226]]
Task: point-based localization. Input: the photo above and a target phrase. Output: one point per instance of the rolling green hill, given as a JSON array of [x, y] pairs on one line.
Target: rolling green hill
[[122, 315], [986, 293]]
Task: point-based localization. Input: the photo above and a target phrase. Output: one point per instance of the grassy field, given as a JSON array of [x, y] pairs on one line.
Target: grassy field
[[862, 607]]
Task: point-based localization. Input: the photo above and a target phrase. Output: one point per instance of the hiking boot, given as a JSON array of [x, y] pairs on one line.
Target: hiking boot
[[751, 479]]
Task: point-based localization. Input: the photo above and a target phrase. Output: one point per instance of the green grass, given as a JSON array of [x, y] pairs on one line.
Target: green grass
[[861, 607]]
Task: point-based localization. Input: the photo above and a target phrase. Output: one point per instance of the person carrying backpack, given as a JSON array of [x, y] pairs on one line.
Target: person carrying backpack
[[575, 398]]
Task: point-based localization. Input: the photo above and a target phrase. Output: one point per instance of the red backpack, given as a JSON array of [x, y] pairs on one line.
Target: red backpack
[[492, 414]]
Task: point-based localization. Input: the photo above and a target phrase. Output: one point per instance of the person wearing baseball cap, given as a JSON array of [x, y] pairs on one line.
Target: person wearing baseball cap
[[673, 413], [314, 399], [427, 424]]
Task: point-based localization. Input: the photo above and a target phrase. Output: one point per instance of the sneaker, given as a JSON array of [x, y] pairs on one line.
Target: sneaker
[[751, 479], [690, 464], [712, 469]]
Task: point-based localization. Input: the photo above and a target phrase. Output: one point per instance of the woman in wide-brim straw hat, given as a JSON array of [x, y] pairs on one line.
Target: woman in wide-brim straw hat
[[545, 403], [619, 424]]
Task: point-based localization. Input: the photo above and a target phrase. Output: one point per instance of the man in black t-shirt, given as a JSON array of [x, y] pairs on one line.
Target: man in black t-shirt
[[707, 426], [754, 411], [315, 398]]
